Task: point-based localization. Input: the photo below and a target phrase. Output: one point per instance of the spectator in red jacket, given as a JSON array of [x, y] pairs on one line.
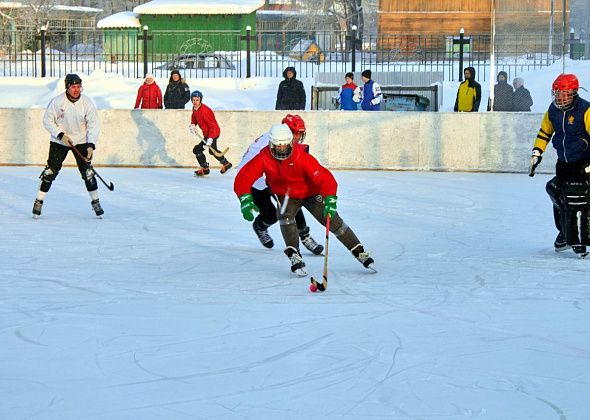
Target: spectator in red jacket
[[204, 118], [149, 95], [297, 180]]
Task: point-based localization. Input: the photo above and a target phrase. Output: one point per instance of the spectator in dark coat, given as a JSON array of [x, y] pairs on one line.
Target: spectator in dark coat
[[522, 96], [149, 94], [503, 94], [177, 92], [291, 93]]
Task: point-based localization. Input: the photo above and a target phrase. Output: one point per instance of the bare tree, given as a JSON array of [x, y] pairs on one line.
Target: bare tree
[[333, 14], [36, 13]]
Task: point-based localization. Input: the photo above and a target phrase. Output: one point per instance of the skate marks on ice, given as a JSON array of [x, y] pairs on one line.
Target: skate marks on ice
[[156, 309]]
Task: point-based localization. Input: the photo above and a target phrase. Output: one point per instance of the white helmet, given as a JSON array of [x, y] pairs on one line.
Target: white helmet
[[281, 141]]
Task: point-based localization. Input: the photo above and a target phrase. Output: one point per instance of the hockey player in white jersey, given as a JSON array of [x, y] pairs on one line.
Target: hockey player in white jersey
[[72, 122]]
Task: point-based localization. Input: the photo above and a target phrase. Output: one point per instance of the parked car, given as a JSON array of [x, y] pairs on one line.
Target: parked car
[[198, 61]]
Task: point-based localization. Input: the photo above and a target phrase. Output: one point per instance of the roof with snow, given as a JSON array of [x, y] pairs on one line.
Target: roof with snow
[[120, 20], [81, 9], [199, 7]]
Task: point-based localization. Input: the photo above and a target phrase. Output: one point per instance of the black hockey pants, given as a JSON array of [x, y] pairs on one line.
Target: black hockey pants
[[200, 148], [268, 212], [57, 154]]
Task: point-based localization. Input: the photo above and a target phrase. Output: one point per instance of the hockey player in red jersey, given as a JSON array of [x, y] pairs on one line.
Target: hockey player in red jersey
[[204, 117], [263, 198], [292, 172]]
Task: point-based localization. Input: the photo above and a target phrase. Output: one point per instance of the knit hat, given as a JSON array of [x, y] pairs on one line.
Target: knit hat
[[174, 72], [366, 73]]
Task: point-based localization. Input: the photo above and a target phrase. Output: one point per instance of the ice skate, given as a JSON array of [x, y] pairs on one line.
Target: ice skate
[[97, 208], [37, 206], [580, 250], [262, 234], [226, 167], [309, 242], [560, 243], [202, 172], [364, 258], [297, 263]]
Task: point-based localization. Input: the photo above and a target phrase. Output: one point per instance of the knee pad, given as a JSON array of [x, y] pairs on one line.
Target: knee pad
[[341, 230], [285, 220], [48, 175], [198, 150], [575, 194], [88, 175], [338, 227], [555, 193]]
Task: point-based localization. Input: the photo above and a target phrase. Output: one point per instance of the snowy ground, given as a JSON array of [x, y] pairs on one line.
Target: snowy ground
[[114, 91], [169, 308]]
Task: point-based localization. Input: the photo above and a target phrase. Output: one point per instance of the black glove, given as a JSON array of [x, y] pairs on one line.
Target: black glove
[[536, 158]]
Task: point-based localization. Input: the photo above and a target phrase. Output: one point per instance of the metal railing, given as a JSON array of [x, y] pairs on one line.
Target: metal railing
[[226, 54]]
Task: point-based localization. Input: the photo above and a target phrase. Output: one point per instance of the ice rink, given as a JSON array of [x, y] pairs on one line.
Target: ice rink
[[169, 307]]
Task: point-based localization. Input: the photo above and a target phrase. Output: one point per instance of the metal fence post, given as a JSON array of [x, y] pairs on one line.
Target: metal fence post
[[248, 49], [461, 40], [145, 50], [353, 43], [43, 57], [571, 43]]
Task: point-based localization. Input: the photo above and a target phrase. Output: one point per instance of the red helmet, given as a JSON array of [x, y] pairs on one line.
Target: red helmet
[[564, 90], [296, 124], [566, 82]]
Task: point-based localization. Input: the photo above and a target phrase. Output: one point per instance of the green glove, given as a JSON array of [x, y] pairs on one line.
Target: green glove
[[248, 207], [330, 206]]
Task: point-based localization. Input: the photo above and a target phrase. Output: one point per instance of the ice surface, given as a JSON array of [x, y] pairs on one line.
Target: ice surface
[[169, 307]]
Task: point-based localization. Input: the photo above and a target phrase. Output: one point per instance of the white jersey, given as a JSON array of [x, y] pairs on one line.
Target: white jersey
[[79, 120], [253, 150]]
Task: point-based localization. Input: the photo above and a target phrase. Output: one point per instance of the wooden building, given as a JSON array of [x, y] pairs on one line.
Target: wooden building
[[444, 17]]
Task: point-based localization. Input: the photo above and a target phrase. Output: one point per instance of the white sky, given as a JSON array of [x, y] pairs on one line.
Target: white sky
[[169, 308], [110, 90]]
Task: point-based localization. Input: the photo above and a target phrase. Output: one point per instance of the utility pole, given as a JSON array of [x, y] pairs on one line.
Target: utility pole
[[563, 28], [550, 34]]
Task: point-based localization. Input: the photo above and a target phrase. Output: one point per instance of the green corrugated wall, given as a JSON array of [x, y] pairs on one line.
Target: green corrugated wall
[[170, 32]]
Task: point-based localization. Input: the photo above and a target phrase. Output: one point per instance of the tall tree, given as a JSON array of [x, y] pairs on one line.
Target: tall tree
[[36, 12], [346, 13]]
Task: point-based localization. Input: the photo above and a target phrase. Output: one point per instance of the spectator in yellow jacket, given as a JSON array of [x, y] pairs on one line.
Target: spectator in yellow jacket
[[469, 93]]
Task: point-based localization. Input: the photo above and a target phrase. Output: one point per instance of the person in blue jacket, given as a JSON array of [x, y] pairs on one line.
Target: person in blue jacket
[[371, 93], [349, 94]]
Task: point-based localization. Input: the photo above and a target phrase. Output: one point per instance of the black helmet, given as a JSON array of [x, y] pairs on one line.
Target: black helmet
[[72, 79]]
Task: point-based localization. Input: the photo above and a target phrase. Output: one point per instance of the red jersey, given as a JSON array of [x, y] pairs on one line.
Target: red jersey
[[150, 96], [300, 174], [204, 118]]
